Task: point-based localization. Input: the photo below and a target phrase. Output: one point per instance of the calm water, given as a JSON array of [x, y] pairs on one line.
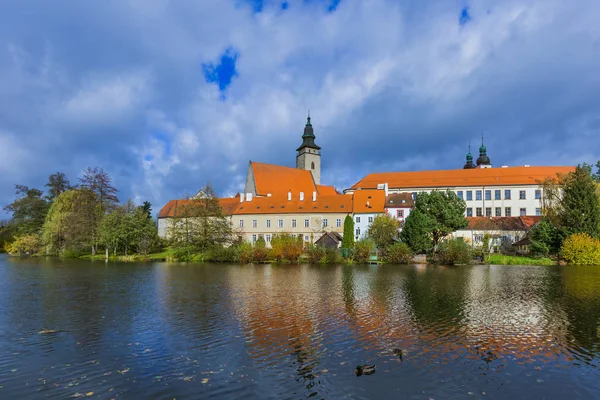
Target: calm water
[[160, 331]]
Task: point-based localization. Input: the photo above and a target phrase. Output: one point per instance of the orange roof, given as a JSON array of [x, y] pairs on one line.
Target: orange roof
[[326, 190], [369, 201], [502, 223], [340, 203], [275, 179], [177, 208], [462, 177]]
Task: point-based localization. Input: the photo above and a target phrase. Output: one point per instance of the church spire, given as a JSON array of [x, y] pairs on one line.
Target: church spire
[[483, 161], [469, 164], [308, 138]]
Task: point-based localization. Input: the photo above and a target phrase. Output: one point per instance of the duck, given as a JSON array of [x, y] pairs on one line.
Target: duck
[[364, 370], [399, 353], [47, 331]]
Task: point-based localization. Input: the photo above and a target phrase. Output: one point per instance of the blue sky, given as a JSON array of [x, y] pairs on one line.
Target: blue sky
[[167, 96]]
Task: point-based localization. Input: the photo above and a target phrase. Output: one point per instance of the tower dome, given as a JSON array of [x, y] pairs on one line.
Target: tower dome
[[483, 161], [469, 164]]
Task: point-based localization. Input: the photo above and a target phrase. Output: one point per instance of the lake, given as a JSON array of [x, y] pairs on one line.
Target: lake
[[164, 331]]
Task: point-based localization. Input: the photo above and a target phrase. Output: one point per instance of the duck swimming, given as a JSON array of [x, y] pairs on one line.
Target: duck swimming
[[364, 370], [399, 353]]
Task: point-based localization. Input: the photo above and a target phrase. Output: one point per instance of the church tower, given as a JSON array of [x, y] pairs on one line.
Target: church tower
[[483, 161], [309, 154]]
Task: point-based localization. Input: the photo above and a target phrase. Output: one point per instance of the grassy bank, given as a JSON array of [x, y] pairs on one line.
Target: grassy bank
[[501, 259]]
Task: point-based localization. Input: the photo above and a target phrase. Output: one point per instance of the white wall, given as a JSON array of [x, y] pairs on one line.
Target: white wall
[[362, 222]]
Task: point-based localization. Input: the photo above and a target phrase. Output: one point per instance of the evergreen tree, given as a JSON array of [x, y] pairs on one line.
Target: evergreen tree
[[57, 183], [580, 209], [544, 238], [417, 232], [147, 208], [348, 238]]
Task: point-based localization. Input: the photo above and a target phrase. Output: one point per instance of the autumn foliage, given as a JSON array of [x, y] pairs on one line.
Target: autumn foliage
[[581, 249]]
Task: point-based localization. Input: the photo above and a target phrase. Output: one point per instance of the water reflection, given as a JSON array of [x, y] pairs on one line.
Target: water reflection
[[164, 331]]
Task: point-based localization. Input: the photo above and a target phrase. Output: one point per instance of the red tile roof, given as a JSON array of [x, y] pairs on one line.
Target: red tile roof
[[462, 177], [400, 200], [340, 203], [369, 201], [324, 190], [502, 223], [178, 208], [278, 180]]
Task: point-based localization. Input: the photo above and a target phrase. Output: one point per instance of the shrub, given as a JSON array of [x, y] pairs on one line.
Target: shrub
[[260, 253], [286, 246], [581, 249], [25, 245], [362, 250], [222, 254], [454, 251], [398, 253], [315, 253], [245, 252], [332, 256], [184, 253]]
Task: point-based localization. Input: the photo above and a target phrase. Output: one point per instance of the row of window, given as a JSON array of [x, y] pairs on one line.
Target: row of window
[[338, 223], [358, 219], [497, 194], [267, 237], [498, 212]]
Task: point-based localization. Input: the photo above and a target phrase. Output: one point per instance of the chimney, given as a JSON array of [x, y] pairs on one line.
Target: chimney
[[241, 197], [268, 194], [290, 195], [248, 196], [301, 196], [314, 196]]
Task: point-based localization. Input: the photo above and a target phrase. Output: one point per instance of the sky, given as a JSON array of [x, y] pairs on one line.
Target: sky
[[169, 95]]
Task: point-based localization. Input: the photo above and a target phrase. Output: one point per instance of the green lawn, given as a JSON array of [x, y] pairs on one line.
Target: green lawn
[[501, 259]]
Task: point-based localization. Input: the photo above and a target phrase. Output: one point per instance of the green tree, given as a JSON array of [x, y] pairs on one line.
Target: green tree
[[57, 184], [580, 208], [348, 238], [28, 210], [200, 222], [383, 230], [7, 233], [99, 181], [25, 245], [417, 232], [71, 221], [446, 211], [544, 238], [147, 208], [362, 250]]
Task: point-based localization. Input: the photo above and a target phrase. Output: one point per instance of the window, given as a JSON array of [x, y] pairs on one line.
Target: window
[[538, 194], [538, 211], [268, 238], [497, 194], [488, 211], [370, 219], [478, 238], [312, 165], [358, 219], [522, 195], [306, 238], [254, 223], [338, 223], [414, 195], [306, 223], [254, 238], [280, 223], [498, 212], [523, 212], [324, 222], [357, 231], [293, 223], [469, 195], [460, 194], [268, 223], [241, 223], [516, 238], [400, 214], [507, 194], [507, 211], [478, 195], [488, 194], [469, 212], [479, 212]]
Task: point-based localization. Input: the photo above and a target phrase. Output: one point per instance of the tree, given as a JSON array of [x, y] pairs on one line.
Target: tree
[[348, 238], [147, 208], [99, 182], [6, 234], [57, 184], [25, 245], [28, 210], [383, 230], [417, 232], [71, 223], [544, 238], [580, 209], [200, 222], [446, 211]]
